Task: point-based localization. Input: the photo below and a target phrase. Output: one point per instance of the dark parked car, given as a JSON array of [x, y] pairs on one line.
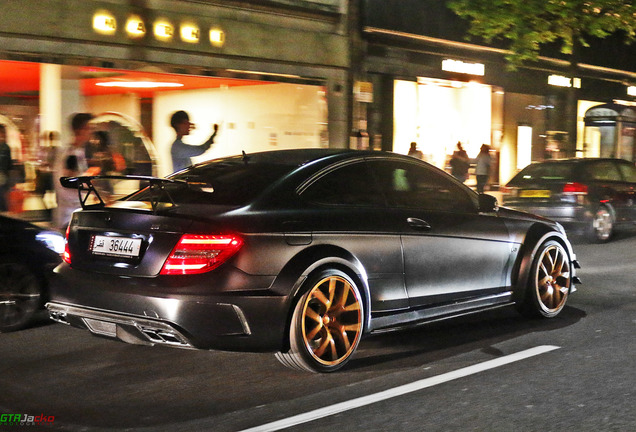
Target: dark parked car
[[28, 254], [301, 252], [589, 196]]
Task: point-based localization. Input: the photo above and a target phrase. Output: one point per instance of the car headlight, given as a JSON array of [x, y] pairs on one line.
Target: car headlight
[[52, 240]]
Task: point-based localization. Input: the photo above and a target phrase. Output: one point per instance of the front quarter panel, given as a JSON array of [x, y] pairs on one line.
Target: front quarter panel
[[535, 237]]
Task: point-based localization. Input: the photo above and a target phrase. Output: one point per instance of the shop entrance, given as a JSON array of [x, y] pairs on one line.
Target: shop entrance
[[436, 114], [609, 132]]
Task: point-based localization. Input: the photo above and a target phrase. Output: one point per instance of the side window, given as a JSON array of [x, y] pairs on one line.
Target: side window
[[348, 185], [410, 185], [605, 170], [628, 170]]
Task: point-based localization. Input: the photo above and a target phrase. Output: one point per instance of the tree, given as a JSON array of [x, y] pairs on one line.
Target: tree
[[527, 25]]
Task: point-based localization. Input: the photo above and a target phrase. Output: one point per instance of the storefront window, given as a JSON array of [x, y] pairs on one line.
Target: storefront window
[[437, 114], [133, 109]]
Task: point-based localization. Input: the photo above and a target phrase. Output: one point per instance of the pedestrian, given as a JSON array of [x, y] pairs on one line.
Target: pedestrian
[[5, 168], [71, 162], [482, 167], [460, 163], [182, 153], [415, 152]]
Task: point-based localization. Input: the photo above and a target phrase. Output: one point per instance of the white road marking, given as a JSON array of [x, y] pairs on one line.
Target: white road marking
[[401, 390]]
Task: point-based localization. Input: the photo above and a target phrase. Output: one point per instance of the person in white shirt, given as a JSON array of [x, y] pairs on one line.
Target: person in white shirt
[[70, 163], [482, 167]]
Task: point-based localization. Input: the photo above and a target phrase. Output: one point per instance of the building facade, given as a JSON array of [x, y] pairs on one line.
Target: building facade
[[271, 73], [276, 74], [433, 86]]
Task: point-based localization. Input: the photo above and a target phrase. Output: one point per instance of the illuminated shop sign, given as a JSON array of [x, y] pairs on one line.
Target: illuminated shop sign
[[561, 81], [105, 23], [190, 33], [217, 37], [631, 90], [363, 91], [163, 30], [458, 66], [135, 27]]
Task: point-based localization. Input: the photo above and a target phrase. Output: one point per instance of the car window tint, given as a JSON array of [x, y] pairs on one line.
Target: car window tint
[[348, 185], [603, 170], [410, 185], [628, 170]]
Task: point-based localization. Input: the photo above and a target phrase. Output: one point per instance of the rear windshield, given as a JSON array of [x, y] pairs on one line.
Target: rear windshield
[[544, 172], [230, 182]]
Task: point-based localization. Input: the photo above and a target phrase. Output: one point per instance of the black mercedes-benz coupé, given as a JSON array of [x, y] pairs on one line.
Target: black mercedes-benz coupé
[[300, 252]]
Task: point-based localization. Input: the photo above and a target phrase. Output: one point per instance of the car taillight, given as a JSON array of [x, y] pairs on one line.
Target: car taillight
[[196, 254], [575, 188], [67, 253]]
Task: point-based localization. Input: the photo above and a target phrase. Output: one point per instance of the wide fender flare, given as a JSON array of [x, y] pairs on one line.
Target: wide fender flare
[[291, 278], [534, 239]]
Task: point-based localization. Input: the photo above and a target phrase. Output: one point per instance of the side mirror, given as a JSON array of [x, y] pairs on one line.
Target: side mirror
[[487, 203]]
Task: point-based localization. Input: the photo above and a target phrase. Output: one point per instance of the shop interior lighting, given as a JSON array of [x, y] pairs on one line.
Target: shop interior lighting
[[138, 84], [624, 102], [524, 146], [263, 73]]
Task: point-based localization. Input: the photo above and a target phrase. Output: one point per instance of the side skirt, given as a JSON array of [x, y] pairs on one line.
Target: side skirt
[[412, 318]]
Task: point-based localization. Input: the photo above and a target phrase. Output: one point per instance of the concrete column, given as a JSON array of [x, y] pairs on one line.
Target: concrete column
[[337, 106], [60, 98], [50, 98]]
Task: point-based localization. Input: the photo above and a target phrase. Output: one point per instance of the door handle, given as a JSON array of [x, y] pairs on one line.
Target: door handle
[[418, 224]]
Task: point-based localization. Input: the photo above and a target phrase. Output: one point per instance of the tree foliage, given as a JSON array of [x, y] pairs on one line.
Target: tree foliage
[[526, 25]]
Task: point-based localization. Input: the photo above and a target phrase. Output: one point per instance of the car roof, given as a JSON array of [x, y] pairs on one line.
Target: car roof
[[295, 157], [581, 160]]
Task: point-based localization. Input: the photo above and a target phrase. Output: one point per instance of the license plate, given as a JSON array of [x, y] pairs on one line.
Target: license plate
[[116, 246], [534, 193]]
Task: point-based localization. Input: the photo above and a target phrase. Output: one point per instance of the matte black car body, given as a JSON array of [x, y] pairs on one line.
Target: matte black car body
[[27, 257], [335, 245], [590, 196]]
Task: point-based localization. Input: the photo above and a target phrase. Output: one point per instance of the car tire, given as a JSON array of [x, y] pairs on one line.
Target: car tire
[[20, 296], [326, 325], [602, 225], [549, 281]]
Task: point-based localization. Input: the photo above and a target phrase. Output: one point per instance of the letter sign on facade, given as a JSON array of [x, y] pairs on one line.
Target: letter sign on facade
[[217, 37], [104, 23], [135, 27], [190, 33], [163, 30]]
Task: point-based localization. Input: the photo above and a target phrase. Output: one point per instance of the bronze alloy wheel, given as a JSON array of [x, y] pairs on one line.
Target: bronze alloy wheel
[[551, 278], [332, 320], [326, 326]]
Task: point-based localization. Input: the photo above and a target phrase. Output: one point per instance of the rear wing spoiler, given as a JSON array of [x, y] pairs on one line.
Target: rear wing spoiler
[[86, 189]]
